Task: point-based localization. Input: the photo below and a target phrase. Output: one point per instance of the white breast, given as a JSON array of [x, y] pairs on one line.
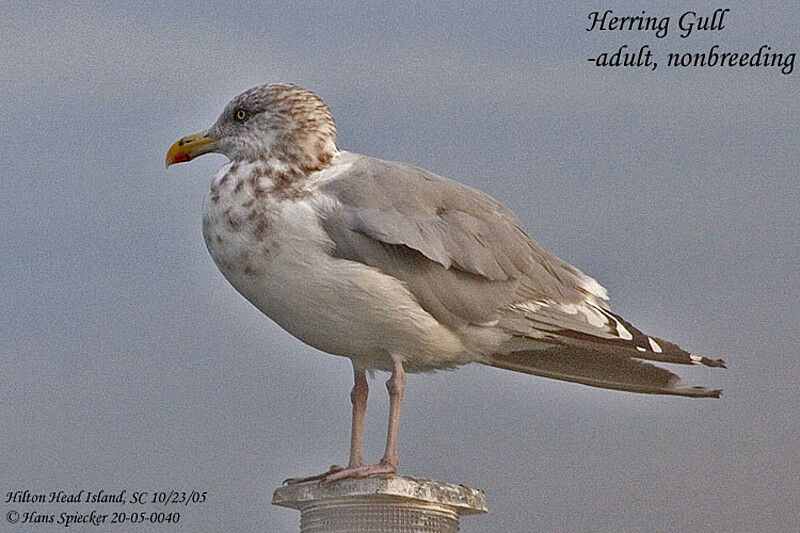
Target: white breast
[[276, 254]]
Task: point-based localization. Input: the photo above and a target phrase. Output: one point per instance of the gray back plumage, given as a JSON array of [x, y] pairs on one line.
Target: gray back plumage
[[461, 252], [466, 260]]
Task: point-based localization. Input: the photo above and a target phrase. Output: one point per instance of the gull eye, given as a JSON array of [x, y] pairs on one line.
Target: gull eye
[[241, 115]]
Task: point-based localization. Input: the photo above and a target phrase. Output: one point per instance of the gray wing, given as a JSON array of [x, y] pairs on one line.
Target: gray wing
[[465, 259], [460, 252]]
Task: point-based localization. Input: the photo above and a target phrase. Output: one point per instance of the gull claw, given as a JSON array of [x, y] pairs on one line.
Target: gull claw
[[295, 480], [359, 471]]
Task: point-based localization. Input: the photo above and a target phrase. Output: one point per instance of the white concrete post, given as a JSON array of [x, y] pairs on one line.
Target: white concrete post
[[381, 504]]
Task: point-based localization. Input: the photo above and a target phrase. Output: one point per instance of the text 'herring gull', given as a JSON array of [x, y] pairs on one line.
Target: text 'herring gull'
[[399, 269]]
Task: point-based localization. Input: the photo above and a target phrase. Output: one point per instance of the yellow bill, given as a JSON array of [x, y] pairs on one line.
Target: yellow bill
[[189, 147]]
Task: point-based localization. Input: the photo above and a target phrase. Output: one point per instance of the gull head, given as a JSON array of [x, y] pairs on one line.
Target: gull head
[[277, 122]]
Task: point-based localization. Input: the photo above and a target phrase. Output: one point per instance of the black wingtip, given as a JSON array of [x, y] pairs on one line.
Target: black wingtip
[[716, 363], [701, 392]]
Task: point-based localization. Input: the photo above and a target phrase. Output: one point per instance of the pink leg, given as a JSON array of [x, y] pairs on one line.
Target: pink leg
[[358, 396], [396, 386], [388, 464]]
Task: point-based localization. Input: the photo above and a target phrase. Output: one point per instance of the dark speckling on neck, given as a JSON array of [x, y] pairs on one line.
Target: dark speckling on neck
[[289, 124]]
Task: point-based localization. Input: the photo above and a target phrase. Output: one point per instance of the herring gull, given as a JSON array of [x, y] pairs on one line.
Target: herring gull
[[399, 269]]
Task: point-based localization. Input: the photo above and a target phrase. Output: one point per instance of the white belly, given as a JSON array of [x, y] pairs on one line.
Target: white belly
[[279, 260]]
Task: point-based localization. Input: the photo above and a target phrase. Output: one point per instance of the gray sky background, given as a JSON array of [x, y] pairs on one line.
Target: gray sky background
[[128, 362]]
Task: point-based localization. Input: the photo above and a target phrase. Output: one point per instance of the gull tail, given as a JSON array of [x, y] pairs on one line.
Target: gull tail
[[598, 369]]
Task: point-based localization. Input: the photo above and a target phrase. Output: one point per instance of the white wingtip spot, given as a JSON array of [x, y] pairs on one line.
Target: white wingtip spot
[[654, 345], [641, 349], [623, 332]]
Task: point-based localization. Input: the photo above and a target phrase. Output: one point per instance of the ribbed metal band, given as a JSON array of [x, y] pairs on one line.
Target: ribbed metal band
[[377, 515]]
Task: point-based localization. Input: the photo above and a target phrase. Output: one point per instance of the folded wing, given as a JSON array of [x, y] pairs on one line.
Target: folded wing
[[465, 259]]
